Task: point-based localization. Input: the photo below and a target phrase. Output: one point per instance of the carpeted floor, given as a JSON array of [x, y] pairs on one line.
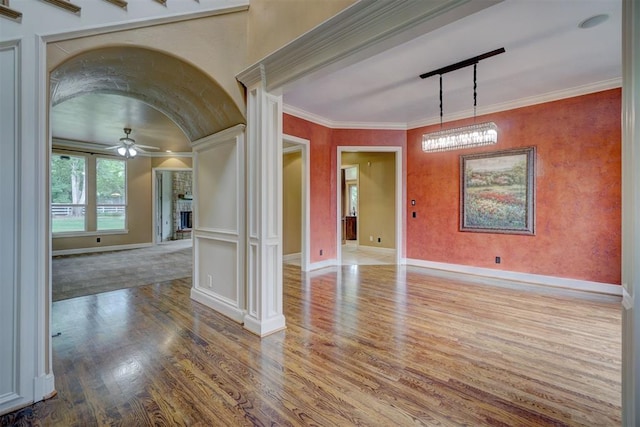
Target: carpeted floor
[[87, 274]]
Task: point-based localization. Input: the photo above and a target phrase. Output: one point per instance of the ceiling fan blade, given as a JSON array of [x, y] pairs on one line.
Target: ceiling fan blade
[[149, 147], [113, 147]]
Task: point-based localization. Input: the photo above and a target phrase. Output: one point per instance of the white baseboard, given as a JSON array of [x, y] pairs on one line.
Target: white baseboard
[[101, 249], [223, 307], [266, 327], [525, 278], [383, 251], [43, 387], [322, 264], [292, 257]]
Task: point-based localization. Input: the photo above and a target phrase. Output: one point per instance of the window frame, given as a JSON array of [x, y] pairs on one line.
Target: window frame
[[125, 205], [90, 197]]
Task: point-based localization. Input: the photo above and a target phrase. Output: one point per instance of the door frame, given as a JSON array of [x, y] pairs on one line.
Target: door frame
[[302, 145], [155, 195], [399, 195], [347, 195]]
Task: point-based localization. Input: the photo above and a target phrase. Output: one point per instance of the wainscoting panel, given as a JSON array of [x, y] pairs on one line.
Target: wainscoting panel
[[219, 223]]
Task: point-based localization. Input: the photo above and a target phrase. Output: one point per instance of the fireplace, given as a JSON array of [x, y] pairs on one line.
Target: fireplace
[[185, 220]]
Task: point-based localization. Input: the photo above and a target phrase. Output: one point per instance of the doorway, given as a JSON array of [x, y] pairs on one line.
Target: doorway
[[173, 201], [296, 201], [369, 209]]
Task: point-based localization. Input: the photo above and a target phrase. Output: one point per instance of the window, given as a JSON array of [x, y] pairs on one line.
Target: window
[[111, 203], [68, 193], [88, 194], [353, 199]]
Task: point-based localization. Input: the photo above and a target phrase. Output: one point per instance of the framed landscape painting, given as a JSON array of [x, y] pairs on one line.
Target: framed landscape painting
[[497, 191]]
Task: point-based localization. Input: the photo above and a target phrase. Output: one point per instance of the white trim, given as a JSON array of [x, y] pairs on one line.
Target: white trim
[[524, 102], [358, 32], [314, 118], [526, 278], [630, 123], [44, 386], [101, 249], [400, 209], [383, 251], [218, 304], [291, 257], [66, 234], [142, 23], [323, 264], [219, 137], [265, 327], [303, 145]]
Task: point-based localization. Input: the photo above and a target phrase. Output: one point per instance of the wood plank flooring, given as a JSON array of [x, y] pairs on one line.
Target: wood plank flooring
[[365, 345]]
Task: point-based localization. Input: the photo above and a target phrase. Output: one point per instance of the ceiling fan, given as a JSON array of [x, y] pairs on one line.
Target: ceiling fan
[[128, 147]]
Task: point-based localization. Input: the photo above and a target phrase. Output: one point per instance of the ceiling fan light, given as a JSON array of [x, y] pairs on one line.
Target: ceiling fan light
[[132, 152], [122, 150]]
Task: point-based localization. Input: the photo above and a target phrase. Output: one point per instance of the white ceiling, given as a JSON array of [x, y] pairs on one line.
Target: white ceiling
[[547, 56]]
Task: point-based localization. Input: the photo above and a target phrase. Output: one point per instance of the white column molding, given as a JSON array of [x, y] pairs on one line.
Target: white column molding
[[264, 211], [10, 392], [630, 209], [219, 222]]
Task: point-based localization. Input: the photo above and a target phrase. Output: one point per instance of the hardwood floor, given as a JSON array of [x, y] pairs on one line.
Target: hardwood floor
[[365, 345]]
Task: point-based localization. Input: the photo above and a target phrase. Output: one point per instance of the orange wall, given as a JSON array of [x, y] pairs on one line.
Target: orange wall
[[323, 160], [578, 190], [322, 185], [578, 193]]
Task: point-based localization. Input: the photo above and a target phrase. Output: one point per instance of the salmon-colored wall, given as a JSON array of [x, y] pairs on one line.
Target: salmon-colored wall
[[322, 185], [323, 160], [578, 190], [578, 193]]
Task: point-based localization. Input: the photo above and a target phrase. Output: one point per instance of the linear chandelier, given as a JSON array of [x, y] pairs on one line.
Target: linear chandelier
[[474, 135]]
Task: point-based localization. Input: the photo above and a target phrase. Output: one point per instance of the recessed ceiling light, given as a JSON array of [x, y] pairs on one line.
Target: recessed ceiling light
[[169, 151], [593, 21]]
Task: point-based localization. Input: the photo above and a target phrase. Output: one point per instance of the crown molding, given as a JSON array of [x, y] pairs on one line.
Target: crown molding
[[360, 31], [314, 118], [524, 102], [495, 108]]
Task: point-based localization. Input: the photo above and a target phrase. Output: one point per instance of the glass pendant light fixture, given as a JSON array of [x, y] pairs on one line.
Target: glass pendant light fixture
[[474, 135], [126, 148]]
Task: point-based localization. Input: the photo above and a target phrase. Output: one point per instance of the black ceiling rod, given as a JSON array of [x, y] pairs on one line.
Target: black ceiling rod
[[462, 64]]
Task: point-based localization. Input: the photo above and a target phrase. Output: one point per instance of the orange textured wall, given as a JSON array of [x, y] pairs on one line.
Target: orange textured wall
[[322, 185], [323, 159], [578, 193]]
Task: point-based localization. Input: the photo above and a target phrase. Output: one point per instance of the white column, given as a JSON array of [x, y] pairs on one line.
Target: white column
[[264, 212], [630, 212]]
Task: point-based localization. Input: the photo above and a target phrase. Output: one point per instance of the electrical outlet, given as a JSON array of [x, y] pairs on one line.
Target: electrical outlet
[[320, 252], [98, 240], [379, 240], [210, 284], [497, 260], [413, 214], [371, 238]]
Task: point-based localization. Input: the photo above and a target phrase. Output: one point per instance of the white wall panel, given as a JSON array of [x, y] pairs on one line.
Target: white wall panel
[[9, 82], [219, 222], [214, 256], [218, 188]]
